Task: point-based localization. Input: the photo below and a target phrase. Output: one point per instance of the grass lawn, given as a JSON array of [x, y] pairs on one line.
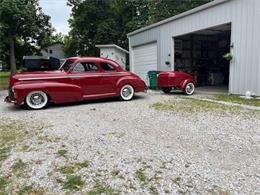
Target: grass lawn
[[13, 136], [188, 105], [4, 80], [237, 99]]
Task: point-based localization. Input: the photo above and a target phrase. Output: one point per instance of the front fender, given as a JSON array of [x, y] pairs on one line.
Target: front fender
[[58, 92]]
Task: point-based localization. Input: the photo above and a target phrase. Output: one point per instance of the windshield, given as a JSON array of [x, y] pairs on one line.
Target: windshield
[[66, 66]]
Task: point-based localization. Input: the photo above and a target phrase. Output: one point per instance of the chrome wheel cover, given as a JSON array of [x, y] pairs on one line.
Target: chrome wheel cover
[[190, 88], [127, 92], [36, 100]]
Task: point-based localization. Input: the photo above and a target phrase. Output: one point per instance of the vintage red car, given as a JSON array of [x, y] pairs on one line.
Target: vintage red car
[[177, 80], [79, 78]]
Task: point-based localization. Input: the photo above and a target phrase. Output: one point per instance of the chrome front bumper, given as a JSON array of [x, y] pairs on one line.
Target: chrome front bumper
[[11, 97]]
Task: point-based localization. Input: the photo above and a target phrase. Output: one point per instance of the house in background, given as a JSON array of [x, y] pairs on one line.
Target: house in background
[[114, 52], [196, 41], [55, 50]]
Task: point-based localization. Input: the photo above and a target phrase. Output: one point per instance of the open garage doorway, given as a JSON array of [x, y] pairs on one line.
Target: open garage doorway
[[201, 54]]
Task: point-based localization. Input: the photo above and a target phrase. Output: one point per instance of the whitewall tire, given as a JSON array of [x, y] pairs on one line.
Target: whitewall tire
[[36, 100], [127, 92], [189, 88]]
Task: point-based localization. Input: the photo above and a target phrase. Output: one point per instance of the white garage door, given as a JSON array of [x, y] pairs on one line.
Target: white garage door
[[145, 59]]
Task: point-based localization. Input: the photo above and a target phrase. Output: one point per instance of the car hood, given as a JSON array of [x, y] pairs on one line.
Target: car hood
[[38, 74], [24, 76]]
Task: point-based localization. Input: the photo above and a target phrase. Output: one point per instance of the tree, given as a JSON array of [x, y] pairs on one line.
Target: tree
[[86, 25], [162, 9], [100, 21], [103, 22], [23, 22], [108, 21]]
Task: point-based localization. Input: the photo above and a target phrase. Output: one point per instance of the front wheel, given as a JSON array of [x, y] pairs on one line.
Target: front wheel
[[189, 88], [167, 90], [36, 100], [127, 93]]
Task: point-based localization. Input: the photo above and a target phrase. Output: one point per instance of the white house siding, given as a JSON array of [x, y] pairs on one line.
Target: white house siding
[[57, 51], [120, 57], [244, 18], [113, 52]]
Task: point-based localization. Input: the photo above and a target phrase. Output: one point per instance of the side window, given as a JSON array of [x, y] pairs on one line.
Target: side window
[[91, 67], [79, 67], [107, 67]]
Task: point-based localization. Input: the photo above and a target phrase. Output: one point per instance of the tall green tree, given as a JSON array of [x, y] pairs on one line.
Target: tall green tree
[[102, 22], [22, 22], [162, 9], [108, 21]]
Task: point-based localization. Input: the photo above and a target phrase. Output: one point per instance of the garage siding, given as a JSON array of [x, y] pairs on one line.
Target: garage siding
[[145, 59], [244, 18]]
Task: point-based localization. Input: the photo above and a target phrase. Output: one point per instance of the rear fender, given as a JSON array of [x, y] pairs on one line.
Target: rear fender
[[58, 92], [129, 80], [185, 82]]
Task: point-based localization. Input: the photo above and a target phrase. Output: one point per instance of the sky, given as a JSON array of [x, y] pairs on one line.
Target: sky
[[59, 13]]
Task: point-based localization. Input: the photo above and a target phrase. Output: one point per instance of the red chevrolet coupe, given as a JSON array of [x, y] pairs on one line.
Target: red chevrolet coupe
[[79, 78]]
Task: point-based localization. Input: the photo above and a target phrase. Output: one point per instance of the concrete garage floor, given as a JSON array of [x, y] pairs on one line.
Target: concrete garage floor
[[153, 144], [212, 90]]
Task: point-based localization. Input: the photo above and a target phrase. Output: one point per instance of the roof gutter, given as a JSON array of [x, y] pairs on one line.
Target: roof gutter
[[184, 14]]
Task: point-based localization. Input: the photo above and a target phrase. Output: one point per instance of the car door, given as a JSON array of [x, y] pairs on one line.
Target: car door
[[87, 75], [109, 78]]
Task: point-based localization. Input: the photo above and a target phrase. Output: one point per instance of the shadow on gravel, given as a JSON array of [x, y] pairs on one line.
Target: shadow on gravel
[[13, 108], [174, 93], [93, 102], [179, 93]]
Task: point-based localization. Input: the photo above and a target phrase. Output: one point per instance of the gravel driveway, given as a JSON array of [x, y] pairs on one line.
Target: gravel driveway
[[131, 148]]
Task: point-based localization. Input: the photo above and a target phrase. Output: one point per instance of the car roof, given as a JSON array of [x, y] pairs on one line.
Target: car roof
[[96, 59]]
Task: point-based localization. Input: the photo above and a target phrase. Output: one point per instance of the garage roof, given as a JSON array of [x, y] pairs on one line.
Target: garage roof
[[36, 57], [112, 46], [192, 11]]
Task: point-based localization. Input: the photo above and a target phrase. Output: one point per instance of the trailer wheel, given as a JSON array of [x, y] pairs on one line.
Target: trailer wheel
[[189, 88], [167, 90]]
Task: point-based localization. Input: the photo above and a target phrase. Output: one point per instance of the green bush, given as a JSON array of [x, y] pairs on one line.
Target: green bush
[[4, 80]]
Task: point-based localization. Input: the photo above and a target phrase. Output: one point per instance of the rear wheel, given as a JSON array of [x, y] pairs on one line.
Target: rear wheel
[[167, 90], [127, 93], [36, 100], [189, 88]]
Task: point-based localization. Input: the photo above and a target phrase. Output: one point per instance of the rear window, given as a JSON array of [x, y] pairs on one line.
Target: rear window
[[107, 67], [85, 67]]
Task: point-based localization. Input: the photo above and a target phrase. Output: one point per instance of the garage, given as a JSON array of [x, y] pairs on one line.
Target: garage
[[196, 41], [203, 54], [145, 59]]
